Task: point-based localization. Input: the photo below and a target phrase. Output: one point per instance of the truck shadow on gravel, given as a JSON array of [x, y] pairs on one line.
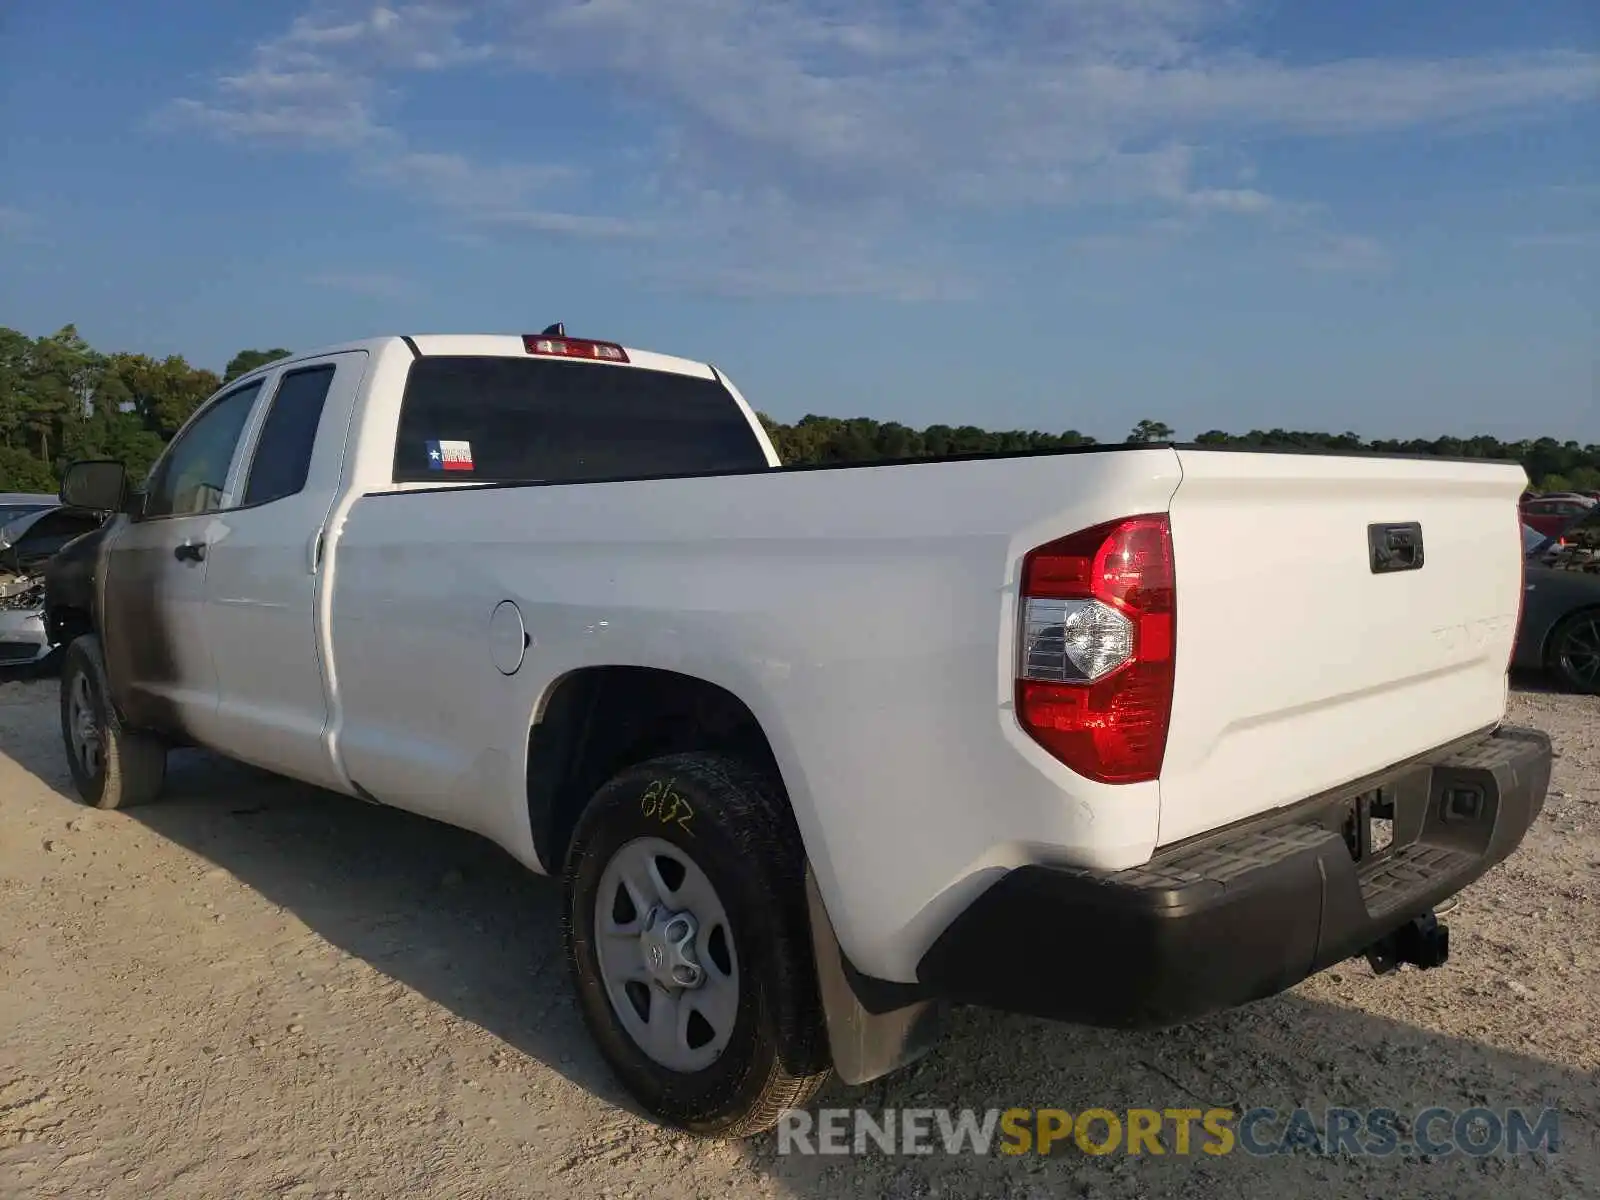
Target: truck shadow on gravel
[[443, 911], [450, 915]]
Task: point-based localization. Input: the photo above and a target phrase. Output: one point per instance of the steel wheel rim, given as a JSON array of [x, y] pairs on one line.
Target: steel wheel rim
[[648, 952], [1580, 652], [85, 727]]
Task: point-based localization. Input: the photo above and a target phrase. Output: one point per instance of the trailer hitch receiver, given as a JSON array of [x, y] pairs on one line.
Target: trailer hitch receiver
[[1422, 941]]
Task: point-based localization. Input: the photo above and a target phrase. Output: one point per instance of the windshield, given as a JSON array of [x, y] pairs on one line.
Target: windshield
[[10, 512], [1531, 539]]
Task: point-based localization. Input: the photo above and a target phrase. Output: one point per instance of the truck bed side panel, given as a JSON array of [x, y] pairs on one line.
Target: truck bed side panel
[[863, 615]]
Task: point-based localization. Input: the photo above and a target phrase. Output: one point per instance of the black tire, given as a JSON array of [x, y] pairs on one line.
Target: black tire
[[129, 768], [1575, 652], [742, 836]]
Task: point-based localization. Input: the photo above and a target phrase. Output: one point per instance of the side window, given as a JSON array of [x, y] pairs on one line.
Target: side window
[[283, 452], [191, 476]]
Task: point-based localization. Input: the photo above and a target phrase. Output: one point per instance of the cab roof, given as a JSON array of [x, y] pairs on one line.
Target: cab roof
[[496, 345]]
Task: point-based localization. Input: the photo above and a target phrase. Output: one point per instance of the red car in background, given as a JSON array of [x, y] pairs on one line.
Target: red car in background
[[1552, 514]]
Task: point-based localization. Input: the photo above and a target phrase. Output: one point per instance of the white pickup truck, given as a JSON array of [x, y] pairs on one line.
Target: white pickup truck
[[1119, 736]]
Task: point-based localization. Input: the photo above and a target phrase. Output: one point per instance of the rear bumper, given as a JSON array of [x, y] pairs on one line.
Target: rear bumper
[[1246, 912], [23, 639]]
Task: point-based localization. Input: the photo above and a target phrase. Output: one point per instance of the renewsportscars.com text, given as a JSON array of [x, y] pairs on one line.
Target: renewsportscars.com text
[[1260, 1132]]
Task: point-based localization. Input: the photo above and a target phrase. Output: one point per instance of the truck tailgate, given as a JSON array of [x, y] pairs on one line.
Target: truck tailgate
[[1300, 667]]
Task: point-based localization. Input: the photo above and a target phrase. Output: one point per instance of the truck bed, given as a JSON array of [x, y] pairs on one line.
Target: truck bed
[[867, 617]]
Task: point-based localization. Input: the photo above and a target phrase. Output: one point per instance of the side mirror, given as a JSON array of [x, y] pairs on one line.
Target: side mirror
[[100, 484]]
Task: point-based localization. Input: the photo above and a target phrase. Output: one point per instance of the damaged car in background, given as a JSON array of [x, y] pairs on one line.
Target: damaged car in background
[[27, 544], [21, 504]]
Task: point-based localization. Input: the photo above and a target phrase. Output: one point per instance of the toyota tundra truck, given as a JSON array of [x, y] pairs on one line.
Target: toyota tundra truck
[[1122, 735]]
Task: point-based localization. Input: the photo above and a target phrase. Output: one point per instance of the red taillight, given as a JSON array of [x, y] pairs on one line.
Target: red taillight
[[1095, 670], [565, 347]]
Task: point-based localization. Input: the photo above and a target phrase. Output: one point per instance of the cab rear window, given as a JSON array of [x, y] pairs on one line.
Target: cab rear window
[[486, 419]]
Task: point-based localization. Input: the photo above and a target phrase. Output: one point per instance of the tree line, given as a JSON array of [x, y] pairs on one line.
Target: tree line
[[62, 400]]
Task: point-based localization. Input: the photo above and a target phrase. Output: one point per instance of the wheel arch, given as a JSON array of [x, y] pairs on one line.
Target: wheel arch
[[63, 623], [598, 720]]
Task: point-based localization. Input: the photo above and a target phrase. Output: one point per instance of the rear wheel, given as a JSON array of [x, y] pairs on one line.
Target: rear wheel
[[1575, 651], [689, 944], [112, 767]]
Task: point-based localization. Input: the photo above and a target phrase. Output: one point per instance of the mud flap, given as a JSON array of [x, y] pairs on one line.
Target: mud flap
[[865, 1045]]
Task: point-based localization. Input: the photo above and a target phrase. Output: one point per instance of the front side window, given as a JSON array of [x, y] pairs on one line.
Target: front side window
[[530, 420], [191, 476]]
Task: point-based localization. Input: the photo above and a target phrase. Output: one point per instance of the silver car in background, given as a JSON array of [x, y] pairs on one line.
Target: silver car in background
[[32, 530], [20, 504]]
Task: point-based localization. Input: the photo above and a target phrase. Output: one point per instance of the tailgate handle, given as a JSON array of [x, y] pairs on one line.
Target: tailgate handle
[[1395, 547]]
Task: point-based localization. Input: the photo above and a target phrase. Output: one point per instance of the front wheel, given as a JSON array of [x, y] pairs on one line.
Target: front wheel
[[1575, 652], [112, 767], [689, 943]]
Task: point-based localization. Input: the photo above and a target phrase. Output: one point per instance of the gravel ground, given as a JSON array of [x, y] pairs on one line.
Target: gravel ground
[[254, 989]]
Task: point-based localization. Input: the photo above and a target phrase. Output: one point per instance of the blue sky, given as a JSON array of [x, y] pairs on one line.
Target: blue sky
[[1039, 213]]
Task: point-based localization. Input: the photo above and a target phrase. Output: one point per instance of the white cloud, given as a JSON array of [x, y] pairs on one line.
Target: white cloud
[[21, 226], [303, 119], [374, 285], [767, 244], [814, 121], [1582, 239], [1346, 254], [495, 194], [1232, 200], [585, 225]]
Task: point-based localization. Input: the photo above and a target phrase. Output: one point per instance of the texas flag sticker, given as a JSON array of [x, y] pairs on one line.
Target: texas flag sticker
[[449, 456]]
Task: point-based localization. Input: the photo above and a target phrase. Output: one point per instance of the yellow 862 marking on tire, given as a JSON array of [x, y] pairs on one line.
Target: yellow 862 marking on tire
[[661, 802]]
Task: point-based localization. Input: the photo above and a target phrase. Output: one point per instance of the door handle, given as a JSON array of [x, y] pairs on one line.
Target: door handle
[[1395, 547], [190, 552]]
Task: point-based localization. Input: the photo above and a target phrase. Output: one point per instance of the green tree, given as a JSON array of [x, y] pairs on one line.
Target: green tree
[[15, 349], [57, 380], [21, 471], [1151, 431], [60, 399], [1585, 478], [163, 392], [246, 361]]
